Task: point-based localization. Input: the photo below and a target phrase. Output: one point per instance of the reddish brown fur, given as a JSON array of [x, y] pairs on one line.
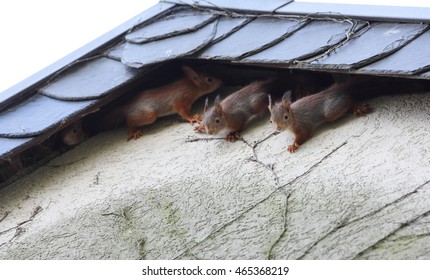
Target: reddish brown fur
[[176, 97], [15, 164], [73, 134], [309, 112], [230, 115]]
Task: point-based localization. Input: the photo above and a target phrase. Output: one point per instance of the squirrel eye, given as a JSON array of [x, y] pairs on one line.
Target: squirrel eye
[[209, 80], [286, 117], [270, 121], [217, 121]]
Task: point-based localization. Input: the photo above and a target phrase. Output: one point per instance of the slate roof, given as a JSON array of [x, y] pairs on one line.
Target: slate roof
[[388, 41]]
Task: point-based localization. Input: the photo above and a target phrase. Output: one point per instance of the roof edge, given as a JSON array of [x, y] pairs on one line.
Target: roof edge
[[253, 6], [26, 86], [358, 11]]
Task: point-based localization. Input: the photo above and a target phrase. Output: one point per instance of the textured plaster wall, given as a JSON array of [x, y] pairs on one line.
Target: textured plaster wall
[[360, 188]]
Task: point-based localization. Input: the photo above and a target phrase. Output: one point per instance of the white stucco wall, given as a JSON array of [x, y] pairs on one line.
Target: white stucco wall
[[360, 188]]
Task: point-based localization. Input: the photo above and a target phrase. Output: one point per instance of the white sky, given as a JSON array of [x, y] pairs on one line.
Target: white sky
[[36, 33]]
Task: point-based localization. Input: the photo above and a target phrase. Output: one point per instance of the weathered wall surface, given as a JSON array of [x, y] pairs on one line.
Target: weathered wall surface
[[360, 188]]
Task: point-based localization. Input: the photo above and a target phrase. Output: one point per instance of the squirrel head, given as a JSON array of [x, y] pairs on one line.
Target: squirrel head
[[281, 115], [214, 120], [73, 134], [202, 82]]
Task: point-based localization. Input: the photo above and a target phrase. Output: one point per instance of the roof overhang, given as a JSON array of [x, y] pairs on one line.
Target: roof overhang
[[358, 39]]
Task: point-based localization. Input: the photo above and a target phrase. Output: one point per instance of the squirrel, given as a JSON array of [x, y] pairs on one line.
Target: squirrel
[[73, 134], [176, 97], [15, 164], [229, 116], [305, 114]]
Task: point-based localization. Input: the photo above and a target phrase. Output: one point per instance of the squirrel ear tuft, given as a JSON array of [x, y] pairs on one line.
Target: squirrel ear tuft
[[287, 95], [217, 99], [286, 99], [270, 102], [191, 74], [206, 105], [217, 104]]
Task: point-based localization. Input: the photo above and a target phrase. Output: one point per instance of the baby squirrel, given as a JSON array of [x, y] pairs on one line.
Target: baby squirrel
[[304, 115], [73, 134], [176, 97], [229, 116]]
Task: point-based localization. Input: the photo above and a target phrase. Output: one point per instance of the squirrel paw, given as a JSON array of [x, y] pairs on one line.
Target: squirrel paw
[[200, 128], [135, 135], [197, 118], [232, 137], [293, 148], [362, 110]]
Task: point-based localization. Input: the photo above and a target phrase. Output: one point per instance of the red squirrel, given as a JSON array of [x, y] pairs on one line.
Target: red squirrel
[[229, 116], [304, 115], [73, 134], [177, 97]]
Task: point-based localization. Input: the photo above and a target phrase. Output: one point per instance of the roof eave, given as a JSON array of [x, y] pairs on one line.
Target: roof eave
[[27, 86]]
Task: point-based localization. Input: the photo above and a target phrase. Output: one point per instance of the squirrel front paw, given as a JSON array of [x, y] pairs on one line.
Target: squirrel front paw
[[293, 148], [134, 135], [232, 137], [362, 110], [197, 118], [200, 128]]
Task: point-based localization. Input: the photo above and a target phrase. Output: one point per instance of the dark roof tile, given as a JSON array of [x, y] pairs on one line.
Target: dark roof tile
[[425, 75], [227, 26], [27, 86], [116, 52], [170, 25], [313, 39], [364, 12], [253, 37], [90, 79], [8, 145], [249, 5], [139, 55], [38, 114], [373, 44], [411, 59]]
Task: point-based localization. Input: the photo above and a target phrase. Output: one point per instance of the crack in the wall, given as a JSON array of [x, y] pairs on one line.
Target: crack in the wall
[[173, 223], [347, 223], [125, 215], [393, 232], [19, 230], [284, 230], [279, 187], [141, 248], [218, 231], [411, 236], [310, 169], [270, 168], [259, 162], [4, 216], [315, 165], [340, 225]]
